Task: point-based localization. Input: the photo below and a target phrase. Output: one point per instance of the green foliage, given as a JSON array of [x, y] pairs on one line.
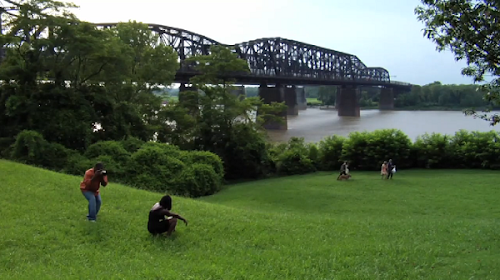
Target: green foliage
[[367, 150], [469, 28], [114, 149], [433, 150], [203, 157], [197, 180], [132, 144], [293, 157], [90, 76], [330, 151], [152, 168]]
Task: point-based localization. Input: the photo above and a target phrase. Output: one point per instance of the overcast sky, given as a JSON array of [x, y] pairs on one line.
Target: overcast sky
[[383, 33]]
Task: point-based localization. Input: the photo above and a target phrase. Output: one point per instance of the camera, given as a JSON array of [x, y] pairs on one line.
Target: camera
[[104, 172]]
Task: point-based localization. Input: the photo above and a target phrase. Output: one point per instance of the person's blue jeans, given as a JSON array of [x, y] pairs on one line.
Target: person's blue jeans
[[94, 204]]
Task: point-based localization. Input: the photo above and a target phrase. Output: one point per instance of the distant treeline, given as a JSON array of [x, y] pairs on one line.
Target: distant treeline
[[430, 96]]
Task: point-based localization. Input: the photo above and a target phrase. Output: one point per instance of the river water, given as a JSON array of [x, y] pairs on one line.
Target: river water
[[314, 124]]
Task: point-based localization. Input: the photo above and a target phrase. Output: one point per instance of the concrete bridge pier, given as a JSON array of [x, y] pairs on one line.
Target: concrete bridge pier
[[291, 101], [386, 99], [274, 94], [301, 98], [348, 104], [337, 98], [239, 91]]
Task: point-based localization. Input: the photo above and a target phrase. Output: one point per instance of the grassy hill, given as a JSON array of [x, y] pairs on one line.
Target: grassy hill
[[421, 225]]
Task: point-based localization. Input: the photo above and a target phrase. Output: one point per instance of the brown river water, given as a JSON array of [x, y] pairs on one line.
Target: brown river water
[[314, 124]]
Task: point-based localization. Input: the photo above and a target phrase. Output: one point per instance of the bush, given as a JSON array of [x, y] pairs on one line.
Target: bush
[[433, 151], [77, 164], [293, 157], [211, 159], [245, 155], [113, 149], [132, 144], [29, 148], [152, 168], [368, 150], [330, 152], [474, 149], [6, 146], [197, 180], [170, 150]]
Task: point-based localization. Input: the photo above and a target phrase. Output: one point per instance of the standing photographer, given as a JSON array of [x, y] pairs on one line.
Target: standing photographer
[[92, 181]]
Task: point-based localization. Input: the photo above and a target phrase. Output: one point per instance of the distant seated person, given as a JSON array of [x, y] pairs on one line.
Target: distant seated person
[[161, 220], [344, 169]]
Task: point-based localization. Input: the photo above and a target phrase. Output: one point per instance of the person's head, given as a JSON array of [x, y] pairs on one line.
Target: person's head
[[390, 160], [385, 162], [98, 166], [166, 202]]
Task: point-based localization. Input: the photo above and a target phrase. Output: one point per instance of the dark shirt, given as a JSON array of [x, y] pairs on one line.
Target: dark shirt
[[390, 166], [155, 217]]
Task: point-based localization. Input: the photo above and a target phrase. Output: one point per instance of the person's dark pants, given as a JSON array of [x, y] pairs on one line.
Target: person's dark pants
[[389, 175], [342, 173]]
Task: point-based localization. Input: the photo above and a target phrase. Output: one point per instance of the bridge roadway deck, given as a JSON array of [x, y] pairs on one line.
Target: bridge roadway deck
[[252, 79]]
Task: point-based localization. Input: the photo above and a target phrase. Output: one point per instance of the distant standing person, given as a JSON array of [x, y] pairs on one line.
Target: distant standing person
[[343, 169], [383, 170], [161, 220], [92, 181], [390, 166]]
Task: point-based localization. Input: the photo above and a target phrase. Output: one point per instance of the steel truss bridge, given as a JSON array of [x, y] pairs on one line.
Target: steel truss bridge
[[276, 61]]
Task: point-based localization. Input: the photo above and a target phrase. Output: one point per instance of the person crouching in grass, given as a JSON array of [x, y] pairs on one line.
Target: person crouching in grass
[[161, 220], [92, 181]]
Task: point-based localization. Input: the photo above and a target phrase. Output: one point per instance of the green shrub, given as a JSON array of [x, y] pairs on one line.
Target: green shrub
[[474, 149], [170, 150], [152, 168], [293, 157], [132, 144], [433, 151], [194, 157], [77, 164], [29, 148], [368, 150], [114, 149], [6, 146], [197, 180], [245, 155], [330, 152], [314, 154]]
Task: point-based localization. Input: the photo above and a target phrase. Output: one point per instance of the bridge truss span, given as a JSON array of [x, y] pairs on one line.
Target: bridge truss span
[[275, 59]]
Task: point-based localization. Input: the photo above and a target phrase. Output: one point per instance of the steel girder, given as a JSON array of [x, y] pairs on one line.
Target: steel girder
[[275, 57]]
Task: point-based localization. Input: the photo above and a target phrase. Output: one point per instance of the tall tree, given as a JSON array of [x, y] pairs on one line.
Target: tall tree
[[471, 30]]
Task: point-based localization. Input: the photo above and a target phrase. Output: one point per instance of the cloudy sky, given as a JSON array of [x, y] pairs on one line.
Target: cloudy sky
[[382, 33]]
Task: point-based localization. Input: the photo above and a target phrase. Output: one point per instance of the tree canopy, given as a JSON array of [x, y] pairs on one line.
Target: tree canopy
[[471, 30]]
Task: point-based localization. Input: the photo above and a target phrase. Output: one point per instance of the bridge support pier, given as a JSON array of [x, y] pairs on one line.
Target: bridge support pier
[[239, 91], [301, 98], [337, 98], [291, 101], [348, 105], [386, 99], [274, 94]]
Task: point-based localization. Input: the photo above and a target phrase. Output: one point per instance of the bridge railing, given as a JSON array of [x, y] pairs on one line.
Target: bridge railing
[[400, 83]]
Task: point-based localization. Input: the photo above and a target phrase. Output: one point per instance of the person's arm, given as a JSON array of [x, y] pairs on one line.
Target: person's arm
[[171, 214], [104, 180]]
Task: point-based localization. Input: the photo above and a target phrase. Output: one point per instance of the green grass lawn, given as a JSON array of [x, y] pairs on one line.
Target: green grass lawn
[[421, 225], [314, 101]]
